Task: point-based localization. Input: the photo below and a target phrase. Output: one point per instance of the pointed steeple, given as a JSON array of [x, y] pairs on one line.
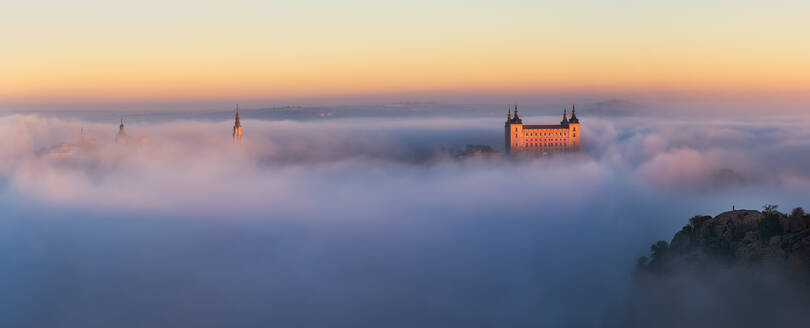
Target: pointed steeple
[[121, 136], [565, 117], [237, 128], [574, 118], [236, 123], [121, 127], [516, 119]]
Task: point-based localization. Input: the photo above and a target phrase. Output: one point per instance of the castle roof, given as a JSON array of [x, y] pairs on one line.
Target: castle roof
[[544, 126]]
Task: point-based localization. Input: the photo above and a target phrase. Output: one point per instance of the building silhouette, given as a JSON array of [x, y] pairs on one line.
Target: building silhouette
[[522, 138], [238, 138], [121, 137]]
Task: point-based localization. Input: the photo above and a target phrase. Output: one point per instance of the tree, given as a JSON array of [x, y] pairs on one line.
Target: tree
[[659, 249], [697, 220], [769, 208], [797, 212]]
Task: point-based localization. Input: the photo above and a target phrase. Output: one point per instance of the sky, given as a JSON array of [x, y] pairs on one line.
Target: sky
[[370, 222], [56, 54], [372, 217]]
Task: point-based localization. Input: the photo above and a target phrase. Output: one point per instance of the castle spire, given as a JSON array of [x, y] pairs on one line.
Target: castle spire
[[574, 118], [565, 117]]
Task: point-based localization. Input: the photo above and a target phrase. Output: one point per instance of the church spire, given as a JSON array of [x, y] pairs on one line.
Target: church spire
[[121, 136], [237, 128]]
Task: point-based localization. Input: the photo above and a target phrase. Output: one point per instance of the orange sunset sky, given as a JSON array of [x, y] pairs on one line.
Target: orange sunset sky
[[96, 51]]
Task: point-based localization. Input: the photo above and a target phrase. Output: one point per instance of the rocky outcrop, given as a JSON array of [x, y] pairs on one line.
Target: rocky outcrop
[[741, 236], [738, 269]]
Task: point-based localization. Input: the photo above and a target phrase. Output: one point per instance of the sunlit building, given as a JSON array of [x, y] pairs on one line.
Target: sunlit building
[[522, 138], [69, 150]]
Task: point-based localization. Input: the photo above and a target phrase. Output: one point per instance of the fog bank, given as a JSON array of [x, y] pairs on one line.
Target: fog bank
[[361, 221]]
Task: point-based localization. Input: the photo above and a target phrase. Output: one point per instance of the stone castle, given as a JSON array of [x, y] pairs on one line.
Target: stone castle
[[561, 137]]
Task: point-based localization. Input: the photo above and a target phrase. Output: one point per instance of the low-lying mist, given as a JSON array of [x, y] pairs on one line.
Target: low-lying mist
[[360, 222]]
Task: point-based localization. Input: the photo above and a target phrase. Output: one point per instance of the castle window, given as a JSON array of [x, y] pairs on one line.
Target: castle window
[[575, 128]]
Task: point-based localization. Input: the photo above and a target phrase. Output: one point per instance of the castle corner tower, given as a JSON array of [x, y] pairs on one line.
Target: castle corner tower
[[513, 130], [573, 127]]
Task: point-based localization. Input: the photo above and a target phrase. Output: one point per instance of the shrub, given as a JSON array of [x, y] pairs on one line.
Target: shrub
[[697, 220], [797, 212], [659, 249], [769, 226]]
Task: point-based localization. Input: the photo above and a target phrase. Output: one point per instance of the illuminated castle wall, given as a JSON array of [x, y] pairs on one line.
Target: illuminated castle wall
[[542, 138]]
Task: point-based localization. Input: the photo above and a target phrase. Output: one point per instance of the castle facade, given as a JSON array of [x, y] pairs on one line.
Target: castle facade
[[561, 137]]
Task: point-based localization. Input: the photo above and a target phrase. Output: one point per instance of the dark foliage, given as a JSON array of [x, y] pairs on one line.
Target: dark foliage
[[697, 220], [769, 226]]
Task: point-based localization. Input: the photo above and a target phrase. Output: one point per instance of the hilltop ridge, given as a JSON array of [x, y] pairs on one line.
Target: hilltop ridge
[[736, 237], [742, 268]]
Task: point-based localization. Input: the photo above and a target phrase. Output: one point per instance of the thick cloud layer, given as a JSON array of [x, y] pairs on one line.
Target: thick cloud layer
[[360, 222]]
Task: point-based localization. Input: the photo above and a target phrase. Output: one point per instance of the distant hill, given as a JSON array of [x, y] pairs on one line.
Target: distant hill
[[613, 107]]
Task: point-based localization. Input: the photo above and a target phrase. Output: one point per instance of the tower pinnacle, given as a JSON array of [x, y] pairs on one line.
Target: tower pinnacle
[[565, 117], [574, 118]]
